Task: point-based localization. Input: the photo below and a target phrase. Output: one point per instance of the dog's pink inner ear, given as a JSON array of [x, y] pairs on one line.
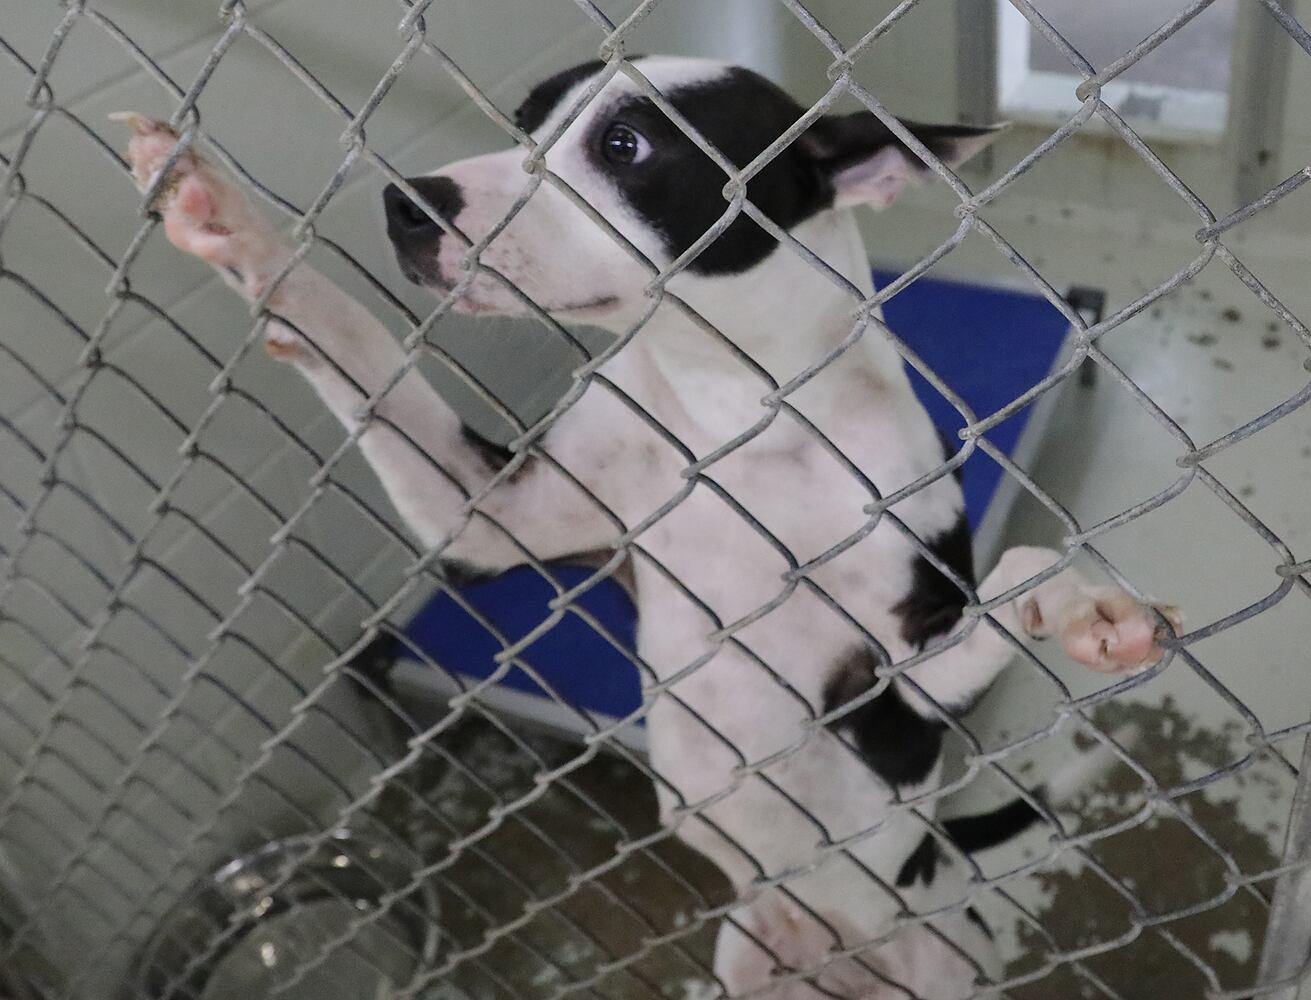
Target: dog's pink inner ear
[[868, 165], [877, 181]]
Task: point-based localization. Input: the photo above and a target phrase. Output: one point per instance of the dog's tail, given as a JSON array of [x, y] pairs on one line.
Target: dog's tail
[[981, 831]]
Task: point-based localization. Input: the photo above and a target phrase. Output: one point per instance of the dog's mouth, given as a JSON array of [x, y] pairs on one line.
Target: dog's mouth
[[589, 307], [431, 278]]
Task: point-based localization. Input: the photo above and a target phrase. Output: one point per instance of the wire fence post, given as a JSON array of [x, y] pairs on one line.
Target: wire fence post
[[1286, 957]]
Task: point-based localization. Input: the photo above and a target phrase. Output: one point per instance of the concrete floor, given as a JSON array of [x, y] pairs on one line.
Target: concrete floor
[[573, 827], [1211, 358]]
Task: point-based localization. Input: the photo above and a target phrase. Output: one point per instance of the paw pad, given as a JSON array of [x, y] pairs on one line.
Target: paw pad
[[1115, 633]]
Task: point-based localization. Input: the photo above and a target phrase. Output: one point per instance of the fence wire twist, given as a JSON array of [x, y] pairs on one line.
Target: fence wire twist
[[81, 809]]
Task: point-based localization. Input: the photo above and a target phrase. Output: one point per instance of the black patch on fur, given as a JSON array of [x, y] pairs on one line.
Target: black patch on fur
[[678, 189], [374, 663], [977, 832], [460, 574], [921, 866], [949, 449], [497, 456], [899, 744], [934, 603], [972, 915], [543, 98], [842, 141], [983, 830]]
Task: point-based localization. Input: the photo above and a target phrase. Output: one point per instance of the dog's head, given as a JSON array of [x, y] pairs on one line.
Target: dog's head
[[645, 177]]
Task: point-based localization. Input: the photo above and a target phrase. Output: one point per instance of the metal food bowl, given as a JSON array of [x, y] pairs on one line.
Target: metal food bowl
[[300, 920]]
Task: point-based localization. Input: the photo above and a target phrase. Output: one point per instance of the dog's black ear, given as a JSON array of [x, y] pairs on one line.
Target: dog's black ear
[[868, 165]]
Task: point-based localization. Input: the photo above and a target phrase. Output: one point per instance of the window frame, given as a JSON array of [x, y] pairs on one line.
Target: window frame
[[1153, 110]]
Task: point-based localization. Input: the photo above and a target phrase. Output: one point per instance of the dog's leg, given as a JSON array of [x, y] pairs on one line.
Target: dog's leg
[[415, 443], [1103, 628], [771, 937], [772, 941]]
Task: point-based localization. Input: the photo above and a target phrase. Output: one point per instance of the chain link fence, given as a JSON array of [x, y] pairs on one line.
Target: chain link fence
[[153, 733]]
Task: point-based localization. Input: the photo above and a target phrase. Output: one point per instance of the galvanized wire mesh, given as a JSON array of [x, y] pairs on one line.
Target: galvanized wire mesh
[[108, 826]]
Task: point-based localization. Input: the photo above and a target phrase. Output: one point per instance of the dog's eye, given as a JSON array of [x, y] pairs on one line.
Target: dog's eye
[[621, 144]]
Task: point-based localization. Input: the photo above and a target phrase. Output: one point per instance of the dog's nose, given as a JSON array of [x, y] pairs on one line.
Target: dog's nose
[[408, 220]]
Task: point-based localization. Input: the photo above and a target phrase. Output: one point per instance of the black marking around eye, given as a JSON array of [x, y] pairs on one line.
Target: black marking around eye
[[543, 98], [934, 602], [678, 190], [900, 745]]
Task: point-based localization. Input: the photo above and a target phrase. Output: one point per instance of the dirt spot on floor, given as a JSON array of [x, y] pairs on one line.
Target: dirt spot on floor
[[1224, 364], [1231, 315], [1156, 867], [559, 844], [1201, 339]]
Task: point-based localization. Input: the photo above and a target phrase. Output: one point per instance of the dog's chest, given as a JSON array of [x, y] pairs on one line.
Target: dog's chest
[[785, 508]]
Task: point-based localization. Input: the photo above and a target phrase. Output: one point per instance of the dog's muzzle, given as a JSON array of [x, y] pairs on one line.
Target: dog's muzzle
[[414, 233]]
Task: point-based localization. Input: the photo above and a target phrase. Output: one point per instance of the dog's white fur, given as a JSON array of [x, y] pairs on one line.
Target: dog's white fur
[[755, 691]]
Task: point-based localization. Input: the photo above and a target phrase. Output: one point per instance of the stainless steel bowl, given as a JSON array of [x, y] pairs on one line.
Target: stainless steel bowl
[[341, 919]]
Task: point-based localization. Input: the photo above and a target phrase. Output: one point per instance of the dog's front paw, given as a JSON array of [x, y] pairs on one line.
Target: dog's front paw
[[1104, 628], [205, 214]]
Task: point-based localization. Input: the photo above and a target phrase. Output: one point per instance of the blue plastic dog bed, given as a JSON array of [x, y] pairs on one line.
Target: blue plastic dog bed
[[987, 344]]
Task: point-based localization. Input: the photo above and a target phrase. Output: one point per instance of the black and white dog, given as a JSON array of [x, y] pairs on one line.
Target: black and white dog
[[747, 657]]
